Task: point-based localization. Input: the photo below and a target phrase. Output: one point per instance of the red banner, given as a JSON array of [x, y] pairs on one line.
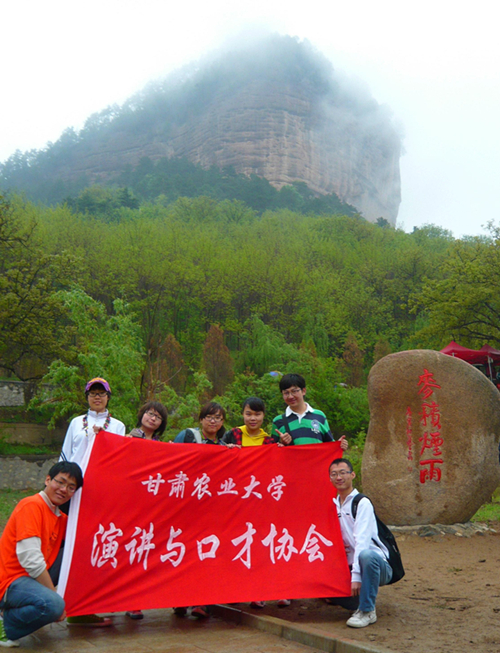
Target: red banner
[[160, 525]]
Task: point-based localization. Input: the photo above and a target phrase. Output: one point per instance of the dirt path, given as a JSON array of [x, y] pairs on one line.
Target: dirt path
[[448, 600]]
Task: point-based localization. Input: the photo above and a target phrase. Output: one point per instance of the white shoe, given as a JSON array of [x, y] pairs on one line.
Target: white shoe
[[362, 619]]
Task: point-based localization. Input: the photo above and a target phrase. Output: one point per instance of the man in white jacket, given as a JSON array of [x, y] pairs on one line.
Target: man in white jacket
[[366, 555]]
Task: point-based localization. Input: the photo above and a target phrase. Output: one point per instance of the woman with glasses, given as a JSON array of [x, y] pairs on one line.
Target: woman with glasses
[[211, 428], [151, 424], [97, 418], [151, 421], [210, 431]]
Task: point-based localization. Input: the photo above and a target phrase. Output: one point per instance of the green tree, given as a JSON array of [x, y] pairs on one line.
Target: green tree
[[382, 348], [217, 360], [106, 345], [32, 328], [263, 348], [352, 361], [165, 367], [464, 302], [350, 411]]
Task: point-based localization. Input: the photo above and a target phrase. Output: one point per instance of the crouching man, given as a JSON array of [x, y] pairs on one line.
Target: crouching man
[[366, 555], [29, 547]]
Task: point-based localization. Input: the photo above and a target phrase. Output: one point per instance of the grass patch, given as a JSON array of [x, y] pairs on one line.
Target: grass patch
[[8, 501], [489, 511], [13, 448], [17, 414], [6, 448]]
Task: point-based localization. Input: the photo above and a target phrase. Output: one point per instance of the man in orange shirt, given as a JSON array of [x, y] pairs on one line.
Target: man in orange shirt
[[29, 547]]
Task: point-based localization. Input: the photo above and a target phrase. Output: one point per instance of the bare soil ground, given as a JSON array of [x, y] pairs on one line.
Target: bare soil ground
[[449, 599]]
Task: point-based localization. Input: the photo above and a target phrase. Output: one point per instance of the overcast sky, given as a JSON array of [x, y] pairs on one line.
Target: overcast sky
[[435, 63]]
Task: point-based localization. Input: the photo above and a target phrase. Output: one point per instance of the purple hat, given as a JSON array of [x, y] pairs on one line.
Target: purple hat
[[99, 381]]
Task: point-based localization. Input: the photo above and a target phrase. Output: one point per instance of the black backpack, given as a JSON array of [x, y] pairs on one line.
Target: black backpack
[[387, 538]]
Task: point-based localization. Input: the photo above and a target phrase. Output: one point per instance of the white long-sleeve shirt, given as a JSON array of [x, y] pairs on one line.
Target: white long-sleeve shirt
[[358, 534], [77, 437]]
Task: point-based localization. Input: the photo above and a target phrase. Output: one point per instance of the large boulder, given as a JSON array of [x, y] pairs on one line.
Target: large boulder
[[431, 453]]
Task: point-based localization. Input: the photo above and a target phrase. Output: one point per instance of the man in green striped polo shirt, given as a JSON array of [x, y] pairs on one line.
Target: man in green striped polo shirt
[[306, 425]]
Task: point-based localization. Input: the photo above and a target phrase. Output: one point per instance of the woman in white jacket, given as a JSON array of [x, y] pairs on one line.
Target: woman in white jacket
[[80, 431], [97, 418]]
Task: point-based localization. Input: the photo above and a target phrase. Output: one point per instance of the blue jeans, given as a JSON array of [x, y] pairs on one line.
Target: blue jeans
[[375, 572], [27, 606]]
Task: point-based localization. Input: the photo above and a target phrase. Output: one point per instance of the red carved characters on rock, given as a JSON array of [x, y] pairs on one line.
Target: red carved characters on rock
[[432, 439]]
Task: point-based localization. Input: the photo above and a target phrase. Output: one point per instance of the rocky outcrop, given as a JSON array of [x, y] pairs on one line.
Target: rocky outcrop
[[431, 453], [278, 132], [275, 109]]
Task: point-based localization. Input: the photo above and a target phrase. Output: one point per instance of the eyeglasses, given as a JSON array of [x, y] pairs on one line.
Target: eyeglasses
[[98, 394], [65, 486], [153, 415], [214, 418], [342, 473], [292, 391]]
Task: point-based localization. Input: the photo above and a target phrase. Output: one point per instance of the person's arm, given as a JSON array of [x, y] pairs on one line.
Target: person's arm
[[45, 580], [269, 440], [30, 556], [365, 525], [326, 433], [135, 433], [280, 436], [119, 428], [355, 588], [115, 426], [228, 438], [66, 451], [343, 442], [328, 437], [275, 433]]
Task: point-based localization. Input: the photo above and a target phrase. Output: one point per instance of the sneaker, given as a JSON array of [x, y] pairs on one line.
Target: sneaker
[[362, 619], [89, 621], [135, 614], [284, 603], [258, 605], [4, 640], [180, 612], [200, 611]]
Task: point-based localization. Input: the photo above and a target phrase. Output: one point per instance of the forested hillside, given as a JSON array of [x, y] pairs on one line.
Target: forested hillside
[[166, 180], [197, 298]]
